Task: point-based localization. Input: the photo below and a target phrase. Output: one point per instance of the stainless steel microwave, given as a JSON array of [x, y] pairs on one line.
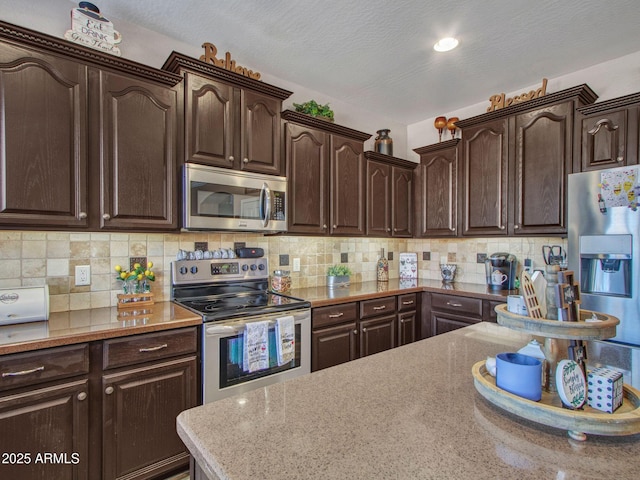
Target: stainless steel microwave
[[224, 199]]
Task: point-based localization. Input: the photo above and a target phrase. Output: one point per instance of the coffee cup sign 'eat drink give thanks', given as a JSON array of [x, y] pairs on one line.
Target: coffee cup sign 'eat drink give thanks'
[[499, 101]]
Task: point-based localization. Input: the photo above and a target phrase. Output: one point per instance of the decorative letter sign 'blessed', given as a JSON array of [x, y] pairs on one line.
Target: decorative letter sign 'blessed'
[[209, 56], [499, 101]]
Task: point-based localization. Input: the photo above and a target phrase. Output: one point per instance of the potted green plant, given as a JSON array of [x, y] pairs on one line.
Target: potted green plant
[[338, 276], [315, 110]]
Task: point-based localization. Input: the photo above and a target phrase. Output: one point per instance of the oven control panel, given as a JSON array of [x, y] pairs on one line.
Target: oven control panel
[[218, 270]]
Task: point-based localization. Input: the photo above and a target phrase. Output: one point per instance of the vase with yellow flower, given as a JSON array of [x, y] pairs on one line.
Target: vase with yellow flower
[[135, 284]]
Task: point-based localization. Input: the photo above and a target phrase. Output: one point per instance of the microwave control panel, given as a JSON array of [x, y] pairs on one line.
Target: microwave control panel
[[278, 206]]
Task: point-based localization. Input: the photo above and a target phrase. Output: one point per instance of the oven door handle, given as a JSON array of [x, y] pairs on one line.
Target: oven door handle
[[265, 204], [221, 330]]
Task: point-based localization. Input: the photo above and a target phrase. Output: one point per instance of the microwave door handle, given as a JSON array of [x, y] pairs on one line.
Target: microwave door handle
[[265, 204]]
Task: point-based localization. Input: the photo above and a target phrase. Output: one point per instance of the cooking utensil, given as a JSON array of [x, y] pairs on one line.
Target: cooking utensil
[[553, 254]]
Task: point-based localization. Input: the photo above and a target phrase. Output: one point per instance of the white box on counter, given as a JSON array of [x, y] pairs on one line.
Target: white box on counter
[[604, 389]]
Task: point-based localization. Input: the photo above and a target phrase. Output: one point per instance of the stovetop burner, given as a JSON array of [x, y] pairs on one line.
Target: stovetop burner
[[238, 295]]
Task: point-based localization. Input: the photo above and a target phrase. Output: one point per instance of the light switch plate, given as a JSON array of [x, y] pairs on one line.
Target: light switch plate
[[296, 264]]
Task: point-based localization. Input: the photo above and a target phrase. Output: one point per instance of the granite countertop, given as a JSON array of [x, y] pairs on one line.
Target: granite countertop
[[323, 296], [406, 413], [77, 326]]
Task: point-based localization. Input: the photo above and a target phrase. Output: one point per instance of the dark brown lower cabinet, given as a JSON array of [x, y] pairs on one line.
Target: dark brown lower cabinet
[[140, 407], [44, 433], [344, 332], [442, 313]]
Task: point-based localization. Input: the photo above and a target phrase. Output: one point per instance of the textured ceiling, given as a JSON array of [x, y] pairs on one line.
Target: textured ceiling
[[379, 55]]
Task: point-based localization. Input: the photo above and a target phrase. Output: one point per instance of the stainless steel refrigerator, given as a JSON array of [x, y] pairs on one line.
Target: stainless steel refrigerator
[[604, 252]]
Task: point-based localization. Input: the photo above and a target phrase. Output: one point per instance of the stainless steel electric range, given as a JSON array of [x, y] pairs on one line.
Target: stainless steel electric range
[[230, 294]]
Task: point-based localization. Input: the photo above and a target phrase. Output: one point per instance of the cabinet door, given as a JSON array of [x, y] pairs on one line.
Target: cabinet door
[[604, 141], [261, 134], [43, 151], [138, 154], [443, 323], [333, 346], [438, 193], [402, 202], [406, 327], [307, 170], [46, 421], [347, 186], [210, 119], [484, 179], [140, 407], [378, 199], [377, 335], [542, 160]]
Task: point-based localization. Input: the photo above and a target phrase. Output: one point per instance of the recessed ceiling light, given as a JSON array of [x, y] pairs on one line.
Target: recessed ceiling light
[[445, 44]]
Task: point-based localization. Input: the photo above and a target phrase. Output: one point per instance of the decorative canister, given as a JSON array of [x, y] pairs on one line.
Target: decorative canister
[[383, 142], [281, 281], [383, 268]]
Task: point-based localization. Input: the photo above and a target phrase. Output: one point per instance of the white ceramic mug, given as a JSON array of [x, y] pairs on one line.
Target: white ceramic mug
[[498, 278]]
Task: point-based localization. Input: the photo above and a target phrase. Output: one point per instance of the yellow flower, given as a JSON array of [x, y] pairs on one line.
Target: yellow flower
[[147, 273], [149, 265], [140, 276], [123, 275], [118, 268], [136, 265]]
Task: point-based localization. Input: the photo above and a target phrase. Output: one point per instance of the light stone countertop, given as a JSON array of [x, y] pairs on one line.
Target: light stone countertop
[[407, 413]]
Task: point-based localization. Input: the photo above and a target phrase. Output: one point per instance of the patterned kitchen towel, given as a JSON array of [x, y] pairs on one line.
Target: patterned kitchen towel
[[256, 346], [285, 339]]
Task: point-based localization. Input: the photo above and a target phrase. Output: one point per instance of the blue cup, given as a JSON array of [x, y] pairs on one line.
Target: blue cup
[[519, 374]]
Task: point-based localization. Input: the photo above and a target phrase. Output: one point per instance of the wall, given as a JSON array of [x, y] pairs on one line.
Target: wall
[[150, 48], [38, 258], [611, 79]]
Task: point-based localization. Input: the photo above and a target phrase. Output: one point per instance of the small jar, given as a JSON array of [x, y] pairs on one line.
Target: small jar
[[281, 281]]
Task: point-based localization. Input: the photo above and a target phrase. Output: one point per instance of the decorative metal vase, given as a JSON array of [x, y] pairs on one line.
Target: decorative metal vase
[[383, 142]]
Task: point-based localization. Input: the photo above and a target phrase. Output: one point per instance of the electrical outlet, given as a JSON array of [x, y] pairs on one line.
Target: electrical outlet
[[83, 275], [481, 257], [296, 264], [344, 258], [284, 260], [426, 255]]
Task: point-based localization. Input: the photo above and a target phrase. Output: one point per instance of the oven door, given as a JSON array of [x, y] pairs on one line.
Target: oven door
[[224, 199], [224, 370]]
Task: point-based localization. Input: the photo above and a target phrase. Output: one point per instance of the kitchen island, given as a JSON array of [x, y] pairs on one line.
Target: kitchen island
[[410, 412]]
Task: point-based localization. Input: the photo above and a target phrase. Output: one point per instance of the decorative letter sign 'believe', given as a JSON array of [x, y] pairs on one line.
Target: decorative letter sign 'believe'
[[209, 56]]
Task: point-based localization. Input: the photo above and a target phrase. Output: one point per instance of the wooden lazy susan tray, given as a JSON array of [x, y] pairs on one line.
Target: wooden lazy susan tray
[[548, 411]]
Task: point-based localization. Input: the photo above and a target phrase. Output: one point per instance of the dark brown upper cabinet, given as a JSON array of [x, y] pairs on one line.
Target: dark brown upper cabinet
[[389, 200], [515, 163], [436, 196], [607, 134], [89, 140], [326, 176], [230, 120]]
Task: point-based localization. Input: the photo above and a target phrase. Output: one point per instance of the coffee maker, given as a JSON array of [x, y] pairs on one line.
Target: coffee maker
[[501, 271]]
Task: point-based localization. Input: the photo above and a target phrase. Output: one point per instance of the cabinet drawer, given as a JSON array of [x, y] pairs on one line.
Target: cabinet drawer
[[408, 301], [453, 303], [334, 314], [43, 365], [489, 314], [149, 346], [377, 306]]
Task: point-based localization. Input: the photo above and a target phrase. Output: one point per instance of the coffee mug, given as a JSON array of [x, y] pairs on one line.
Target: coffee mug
[[498, 278]]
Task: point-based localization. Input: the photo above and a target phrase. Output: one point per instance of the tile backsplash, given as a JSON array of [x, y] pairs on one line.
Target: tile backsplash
[[38, 258]]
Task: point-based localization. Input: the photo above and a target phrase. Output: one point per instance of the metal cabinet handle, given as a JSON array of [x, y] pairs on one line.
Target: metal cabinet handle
[[502, 227], [82, 396], [22, 372], [106, 216], [395, 229], [408, 303], [454, 304], [337, 315], [335, 226], [516, 226], [381, 307], [388, 229], [402, 320], [82, 215], [108, 390], [231, 158], [364, 330], [452, 229], [153, 349], [355, 332], [245, 160], [620, 159], [324, 226]]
